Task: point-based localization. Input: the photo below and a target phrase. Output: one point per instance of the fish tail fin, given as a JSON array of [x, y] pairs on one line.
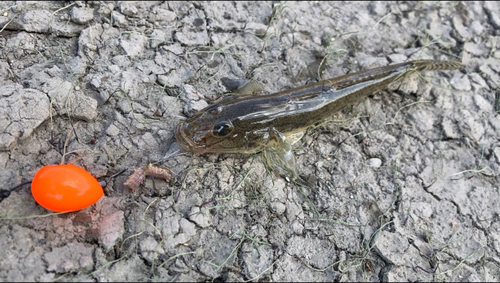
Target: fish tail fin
[[435, 65]]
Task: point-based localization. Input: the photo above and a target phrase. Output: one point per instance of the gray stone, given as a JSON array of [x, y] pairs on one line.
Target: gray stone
[[293, 210], [131, 269], [67, 101], [450, 129], [160, 14], [157, 37], [193, 99], [391, 247], [176, 231], [112, 130], [81, 15], [397, 58], [23, 110], [474, 49], [257, 259], [374, 162], [297, 227], [119, 19], [71, 257], [468, 125], [194, 31], [150, 250], [202, 218], [128, 8], [476, 27], [461, 82], [496, 151], [461, 29], [278, 208], [111, 229], [320, 253], [133, 44], [19, 44], [35, 20], [492, 8], [379, 8], [41, 20]]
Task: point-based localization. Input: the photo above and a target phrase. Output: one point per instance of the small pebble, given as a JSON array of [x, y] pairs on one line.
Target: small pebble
[[374, 162]]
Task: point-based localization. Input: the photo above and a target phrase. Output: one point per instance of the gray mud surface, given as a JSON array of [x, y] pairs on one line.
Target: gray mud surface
[[124, 73]]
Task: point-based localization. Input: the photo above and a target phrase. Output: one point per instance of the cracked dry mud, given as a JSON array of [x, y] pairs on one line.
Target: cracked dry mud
[[127, 72]]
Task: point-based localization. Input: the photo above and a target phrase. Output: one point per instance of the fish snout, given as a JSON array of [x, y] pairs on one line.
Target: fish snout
[[184, 136]]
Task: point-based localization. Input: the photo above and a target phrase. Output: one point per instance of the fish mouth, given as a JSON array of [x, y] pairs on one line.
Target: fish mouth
[[185, 141]]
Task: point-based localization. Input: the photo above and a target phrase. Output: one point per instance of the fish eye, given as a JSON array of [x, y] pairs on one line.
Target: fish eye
[[222, 128]]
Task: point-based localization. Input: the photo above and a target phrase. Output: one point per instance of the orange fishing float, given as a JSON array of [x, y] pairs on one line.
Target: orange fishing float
[[64, 188]]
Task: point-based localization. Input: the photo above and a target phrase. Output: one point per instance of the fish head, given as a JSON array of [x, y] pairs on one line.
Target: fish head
[[216, 129]]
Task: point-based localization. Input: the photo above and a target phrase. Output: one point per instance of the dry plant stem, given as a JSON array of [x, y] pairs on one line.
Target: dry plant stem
[[68, 136]]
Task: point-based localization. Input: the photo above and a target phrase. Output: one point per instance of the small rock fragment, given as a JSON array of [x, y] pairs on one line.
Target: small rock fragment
[[193, 99], [128, 8], [35, 20], [111, 229], [119, 19], [461, 82], [133, 45], [161, 15], [374, 162], [157, 37], [496, 151], [201, 218], [82, 15], [493, 10], [70, 258], [391, 247], [150, 249], [186, 229], [23, 111], [66, 101], [257, 259], [278, 208], [450, 129], [112, 131], [194, 30], [474, 48]]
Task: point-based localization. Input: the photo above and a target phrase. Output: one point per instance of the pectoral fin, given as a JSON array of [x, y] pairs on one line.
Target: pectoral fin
[[242, 86], [279, 156]]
